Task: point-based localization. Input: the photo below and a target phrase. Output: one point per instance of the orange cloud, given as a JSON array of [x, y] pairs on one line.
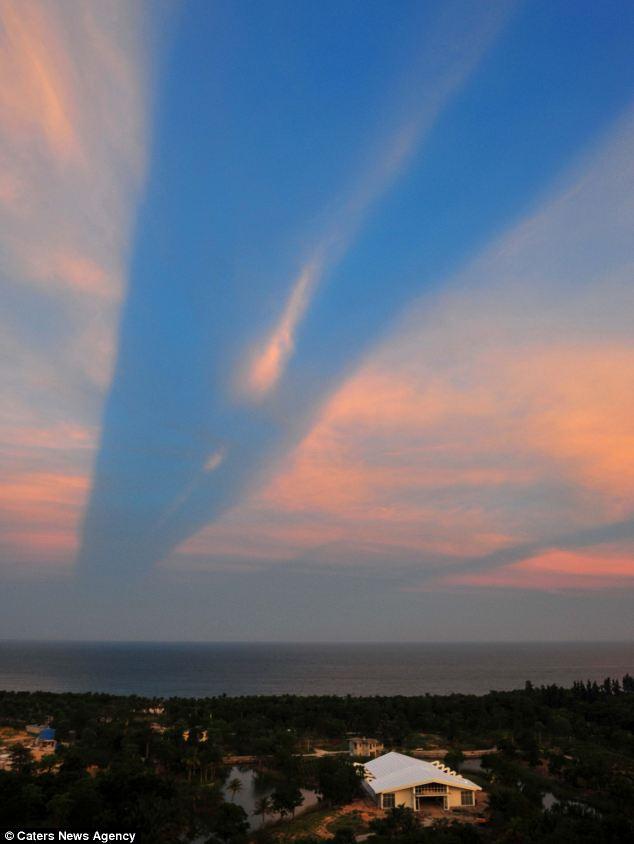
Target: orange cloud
[[42, 487], [601, 568], [267, 366], [583, 406], [517, 417]]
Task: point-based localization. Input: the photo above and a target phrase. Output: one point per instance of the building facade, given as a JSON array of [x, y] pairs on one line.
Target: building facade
[[363, 747], [398, 780]]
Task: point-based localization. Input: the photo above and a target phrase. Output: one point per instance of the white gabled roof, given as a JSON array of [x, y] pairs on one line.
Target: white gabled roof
[[395, 770]]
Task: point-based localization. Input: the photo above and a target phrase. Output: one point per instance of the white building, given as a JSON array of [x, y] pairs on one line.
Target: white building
[[398, 780]]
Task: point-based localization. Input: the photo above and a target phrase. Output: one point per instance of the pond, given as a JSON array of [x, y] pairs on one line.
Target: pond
[[254, 787], [549, 800]]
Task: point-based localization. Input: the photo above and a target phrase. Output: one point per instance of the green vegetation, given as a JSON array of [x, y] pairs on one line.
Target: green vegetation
[[352, 821], [160, 766]]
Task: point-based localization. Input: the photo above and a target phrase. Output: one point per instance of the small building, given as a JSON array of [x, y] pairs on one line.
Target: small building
[[364, 747], [398, 780], [35, 729], [45, 742]]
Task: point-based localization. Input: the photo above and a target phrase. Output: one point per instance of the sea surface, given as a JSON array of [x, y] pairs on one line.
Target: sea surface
[[198, 670]]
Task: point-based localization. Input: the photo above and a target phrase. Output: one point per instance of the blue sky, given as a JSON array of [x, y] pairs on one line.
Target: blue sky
[[334, 295]]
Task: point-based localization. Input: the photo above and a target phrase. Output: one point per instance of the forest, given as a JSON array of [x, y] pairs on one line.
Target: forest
[[562, 770]]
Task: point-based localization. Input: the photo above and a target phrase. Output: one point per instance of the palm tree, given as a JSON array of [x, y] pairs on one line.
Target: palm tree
[[234, 786], [263, 808]]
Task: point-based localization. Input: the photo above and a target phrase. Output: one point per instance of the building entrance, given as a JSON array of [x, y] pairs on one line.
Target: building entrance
[[426, 802]]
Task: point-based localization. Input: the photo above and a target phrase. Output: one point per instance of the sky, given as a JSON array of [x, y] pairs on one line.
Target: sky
[[316, 320]]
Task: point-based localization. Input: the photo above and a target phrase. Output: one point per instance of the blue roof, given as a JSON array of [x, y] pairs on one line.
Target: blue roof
[[47, 734]]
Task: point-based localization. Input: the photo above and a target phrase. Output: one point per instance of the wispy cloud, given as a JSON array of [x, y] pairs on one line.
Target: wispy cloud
[[488, 440], [74, 96], [269, 362], [435, 78]]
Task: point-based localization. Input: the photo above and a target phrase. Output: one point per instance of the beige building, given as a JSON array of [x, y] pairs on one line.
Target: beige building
[[364, 747], [397, 780]]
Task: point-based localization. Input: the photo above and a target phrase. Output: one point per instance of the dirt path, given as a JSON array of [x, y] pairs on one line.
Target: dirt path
[[365, 810]]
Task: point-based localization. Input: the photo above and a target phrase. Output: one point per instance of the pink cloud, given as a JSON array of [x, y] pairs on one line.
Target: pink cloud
[[437, 463], [37, 78], [76, 271], [598, 568], [41, 511]]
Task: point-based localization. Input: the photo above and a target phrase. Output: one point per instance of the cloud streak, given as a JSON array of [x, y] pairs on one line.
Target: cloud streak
[[436, 77], [269, 363]]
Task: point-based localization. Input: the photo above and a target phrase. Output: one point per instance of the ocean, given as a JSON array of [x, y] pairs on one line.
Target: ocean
[[205, 669]]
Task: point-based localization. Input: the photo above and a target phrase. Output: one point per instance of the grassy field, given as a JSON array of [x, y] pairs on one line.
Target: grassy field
[[305, 824], [350, 820], [319, 822]]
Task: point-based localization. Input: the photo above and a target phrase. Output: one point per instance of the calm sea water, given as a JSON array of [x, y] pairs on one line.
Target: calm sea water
[[197, 670]]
